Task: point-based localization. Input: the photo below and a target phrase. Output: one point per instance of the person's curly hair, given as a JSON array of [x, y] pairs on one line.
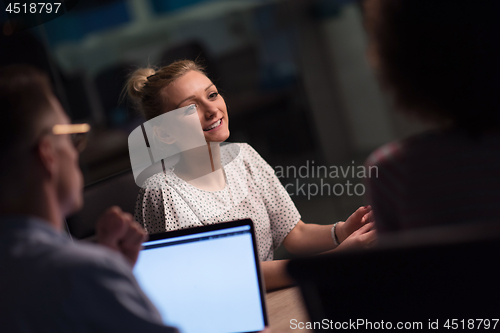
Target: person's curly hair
[[440, 58]]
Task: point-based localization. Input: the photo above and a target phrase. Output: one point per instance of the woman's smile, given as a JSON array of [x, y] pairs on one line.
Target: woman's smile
[[195, 88], [214, 126]]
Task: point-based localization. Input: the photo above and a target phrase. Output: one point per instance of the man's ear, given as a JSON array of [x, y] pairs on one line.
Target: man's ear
[[47, 155], [162, 135]]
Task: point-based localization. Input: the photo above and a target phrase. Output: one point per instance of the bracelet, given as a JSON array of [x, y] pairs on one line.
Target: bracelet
[[334, 235]]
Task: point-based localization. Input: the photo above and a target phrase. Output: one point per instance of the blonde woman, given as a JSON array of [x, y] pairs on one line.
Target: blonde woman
[[242, 184]]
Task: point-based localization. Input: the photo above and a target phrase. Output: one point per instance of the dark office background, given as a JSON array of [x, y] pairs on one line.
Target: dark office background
[[293, 73]]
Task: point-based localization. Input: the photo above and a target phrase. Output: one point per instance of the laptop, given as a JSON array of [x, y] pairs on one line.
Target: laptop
[[205, 279]]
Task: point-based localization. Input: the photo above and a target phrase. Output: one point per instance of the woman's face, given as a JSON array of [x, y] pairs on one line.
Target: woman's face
[[195, 88]]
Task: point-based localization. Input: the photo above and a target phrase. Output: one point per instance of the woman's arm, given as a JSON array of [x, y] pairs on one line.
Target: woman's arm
[[275, 273], [308, 238]]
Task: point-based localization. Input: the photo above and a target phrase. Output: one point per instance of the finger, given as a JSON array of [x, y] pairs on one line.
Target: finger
[[372, 225], [108, 220], [353, 223], [135, 232], [366, 209], [363, 210], [134, 236], [370, 237], [361, 231], [357, 216], [364, 229], [369, 217], [111, 227], [131, 243], [128, 216]]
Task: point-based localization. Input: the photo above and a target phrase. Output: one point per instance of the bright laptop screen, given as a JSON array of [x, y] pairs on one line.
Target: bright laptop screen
[[204, 282]]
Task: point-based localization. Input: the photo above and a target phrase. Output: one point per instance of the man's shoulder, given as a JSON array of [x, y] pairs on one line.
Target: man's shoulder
[[426, 145], [51, 280], [42, 262], [385, 154], [87, 256], [400, 150], [27, 238]]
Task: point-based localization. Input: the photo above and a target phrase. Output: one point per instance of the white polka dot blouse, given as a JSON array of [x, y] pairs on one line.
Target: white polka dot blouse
[[252, 190]]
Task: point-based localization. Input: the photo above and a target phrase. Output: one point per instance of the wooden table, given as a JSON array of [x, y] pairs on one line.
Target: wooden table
[[284, 305]]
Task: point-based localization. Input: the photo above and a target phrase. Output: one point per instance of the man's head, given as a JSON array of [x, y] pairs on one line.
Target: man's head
[[439, 58], [35, 160]]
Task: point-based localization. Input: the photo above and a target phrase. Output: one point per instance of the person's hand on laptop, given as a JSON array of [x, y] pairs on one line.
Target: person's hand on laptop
[[118, 231]]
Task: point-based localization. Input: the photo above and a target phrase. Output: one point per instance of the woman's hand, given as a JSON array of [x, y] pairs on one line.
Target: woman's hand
[[364, 237], [308, 238], [359, 218]]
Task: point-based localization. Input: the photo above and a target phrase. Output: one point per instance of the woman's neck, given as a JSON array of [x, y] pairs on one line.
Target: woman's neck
[[202, 167]]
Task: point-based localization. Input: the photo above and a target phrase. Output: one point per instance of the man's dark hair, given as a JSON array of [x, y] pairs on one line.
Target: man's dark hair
[[24, 99], [441, 58], [24, 103]]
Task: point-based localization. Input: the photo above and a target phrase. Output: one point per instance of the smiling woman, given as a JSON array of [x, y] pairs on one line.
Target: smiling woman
[[239, 184], [210, 105]]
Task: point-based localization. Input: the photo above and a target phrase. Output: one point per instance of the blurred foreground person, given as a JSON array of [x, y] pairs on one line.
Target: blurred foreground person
[[47, 282], [440, 61]]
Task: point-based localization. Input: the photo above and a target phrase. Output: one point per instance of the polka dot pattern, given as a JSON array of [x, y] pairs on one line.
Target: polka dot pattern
[[252, 190]]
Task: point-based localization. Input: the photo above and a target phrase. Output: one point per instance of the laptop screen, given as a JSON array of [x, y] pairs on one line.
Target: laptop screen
[[204, 280]]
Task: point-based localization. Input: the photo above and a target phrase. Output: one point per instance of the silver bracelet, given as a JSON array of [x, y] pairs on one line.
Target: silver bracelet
[[334, 235]]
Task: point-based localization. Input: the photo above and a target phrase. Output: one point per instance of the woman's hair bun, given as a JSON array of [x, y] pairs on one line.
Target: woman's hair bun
[[137, 81], [147, 94]]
